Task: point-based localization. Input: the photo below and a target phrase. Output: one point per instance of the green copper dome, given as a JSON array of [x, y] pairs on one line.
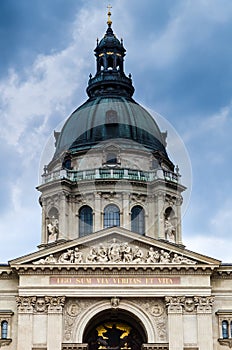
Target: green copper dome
[[104, 118], [110, 112]]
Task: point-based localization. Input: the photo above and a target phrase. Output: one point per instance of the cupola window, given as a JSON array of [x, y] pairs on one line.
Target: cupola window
[[111, 158], [85, 220], [138, 220], [111, 216]]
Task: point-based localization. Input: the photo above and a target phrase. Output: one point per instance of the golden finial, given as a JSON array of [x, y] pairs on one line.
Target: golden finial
[[109, 22]]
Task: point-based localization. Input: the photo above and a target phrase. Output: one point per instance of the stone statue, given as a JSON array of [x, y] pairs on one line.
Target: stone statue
[[78, 256], [164, 257], [177, 259], [169, 230], [127, 255], [114, 253], [102, 253], [53, 229], [152, 256], [66, 257], [138, 255], [92, 256]]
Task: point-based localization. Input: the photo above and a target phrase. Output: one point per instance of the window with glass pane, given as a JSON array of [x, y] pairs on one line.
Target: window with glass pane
[[138, 220], [4, 329], [111, 216], [85, 220], [225, 333]]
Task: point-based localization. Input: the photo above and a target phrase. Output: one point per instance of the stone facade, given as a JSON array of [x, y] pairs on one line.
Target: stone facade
[[111, 271]]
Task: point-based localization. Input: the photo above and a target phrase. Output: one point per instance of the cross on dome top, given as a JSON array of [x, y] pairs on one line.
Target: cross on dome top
[[109, 22]]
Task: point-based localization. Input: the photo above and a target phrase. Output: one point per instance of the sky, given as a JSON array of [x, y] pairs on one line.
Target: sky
[[180, 56]]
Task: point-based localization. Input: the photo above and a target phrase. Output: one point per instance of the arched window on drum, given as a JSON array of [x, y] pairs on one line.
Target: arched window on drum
[[85, 221], [111, 216], [4, 329], [138, 220]]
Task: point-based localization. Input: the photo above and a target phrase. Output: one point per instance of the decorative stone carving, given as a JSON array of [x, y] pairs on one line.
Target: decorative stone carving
[[156, 309], [189, 304], [152, 256], [25, 304], [175, 304], [116, 252], [114, 302], [55, 304], [204, 304], [72, 313], [40, 305]]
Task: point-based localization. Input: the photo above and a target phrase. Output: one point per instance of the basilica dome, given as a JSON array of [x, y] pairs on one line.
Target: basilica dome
[[110, 113]]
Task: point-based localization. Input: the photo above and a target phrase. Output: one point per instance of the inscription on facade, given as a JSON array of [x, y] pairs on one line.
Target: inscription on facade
[[112, 281]]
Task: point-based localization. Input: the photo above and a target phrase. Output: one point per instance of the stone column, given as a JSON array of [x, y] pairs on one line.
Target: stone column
[[97, 212], [25, 322], [126, 211], [44, 238], [54, 326], [178, 223], [204, 322], [175, 322], [150, 225], [63, 220]]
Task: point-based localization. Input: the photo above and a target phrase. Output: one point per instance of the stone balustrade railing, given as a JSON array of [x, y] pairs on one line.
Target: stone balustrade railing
[[103, 173]]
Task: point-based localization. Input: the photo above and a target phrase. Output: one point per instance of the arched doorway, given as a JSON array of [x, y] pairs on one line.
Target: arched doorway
[[114, 329]]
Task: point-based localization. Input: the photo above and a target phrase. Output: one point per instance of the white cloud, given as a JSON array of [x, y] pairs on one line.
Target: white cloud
[[221, 222], [212, 246], [31, 101]]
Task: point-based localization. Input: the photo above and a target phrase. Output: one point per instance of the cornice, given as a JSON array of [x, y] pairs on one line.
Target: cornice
[[132, 269], [223, 272], [7, 272]]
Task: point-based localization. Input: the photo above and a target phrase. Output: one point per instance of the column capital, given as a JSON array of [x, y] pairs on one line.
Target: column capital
[[175, 304], [204, 304], [25, 304], [55, 304]]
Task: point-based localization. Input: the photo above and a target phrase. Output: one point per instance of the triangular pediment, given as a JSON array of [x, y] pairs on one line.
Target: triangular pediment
[[114, 246]]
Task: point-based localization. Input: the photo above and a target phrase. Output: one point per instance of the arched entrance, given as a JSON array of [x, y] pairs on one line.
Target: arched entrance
[[114, 329]]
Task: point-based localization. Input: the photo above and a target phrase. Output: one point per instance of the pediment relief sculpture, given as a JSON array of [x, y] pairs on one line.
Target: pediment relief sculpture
[[115, 252]]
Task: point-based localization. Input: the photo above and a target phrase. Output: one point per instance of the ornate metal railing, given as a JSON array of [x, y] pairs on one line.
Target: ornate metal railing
[[103, 173]]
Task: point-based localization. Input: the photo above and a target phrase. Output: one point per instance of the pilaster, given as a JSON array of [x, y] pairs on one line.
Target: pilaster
[[175, 322], [126, 211], [204, 322], [54, 327], [97, 211], [25, 322]]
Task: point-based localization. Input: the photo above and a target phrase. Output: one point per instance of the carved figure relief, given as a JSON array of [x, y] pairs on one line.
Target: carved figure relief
[[156, 308], [40, 305], [73, 310], [114, 302], [116, 252]]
